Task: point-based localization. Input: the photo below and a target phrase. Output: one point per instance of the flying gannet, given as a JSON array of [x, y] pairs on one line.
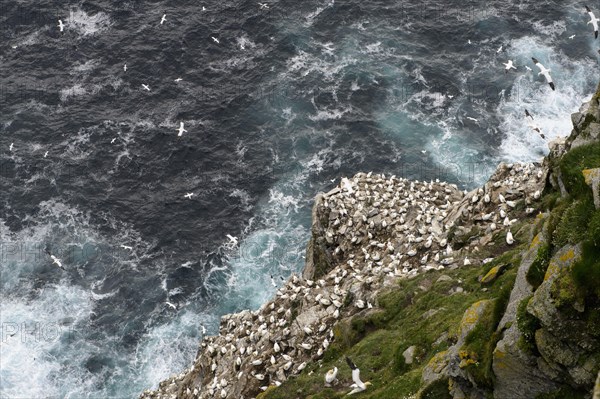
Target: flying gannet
[[163, 19], [171, 305], [45, 154], [10, 148], [358, 385], [526, 67], [508, 66], [57, 262], [263, 5], [545, 72], [126, 247], [593, 20], [180, 130], [189, 195], [61, 26], [273, 283], [572, 37], [330, 376], [215, 39], [124, 67], [146, 87], [178, 80], [472, 119]]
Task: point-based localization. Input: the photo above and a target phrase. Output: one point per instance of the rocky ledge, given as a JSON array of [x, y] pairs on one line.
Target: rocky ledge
[[372, 231]]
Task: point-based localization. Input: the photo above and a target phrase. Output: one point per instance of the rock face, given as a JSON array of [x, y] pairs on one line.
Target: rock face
[[592, 179]]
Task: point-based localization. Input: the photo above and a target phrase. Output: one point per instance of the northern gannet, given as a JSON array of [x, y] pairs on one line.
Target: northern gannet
[[263, 5], [178, 80], [126, 247], [124, 67], [572, 37], [189, 195], [526, 67], [330, 376], [45, 154], [593, 20], [273, 283], [545, 72], [61, 26], [215, 39], [163, 19], [358, 385], [499, 49], [181, 129], [203, 329], [232, 240], [527, 114], [10, 148], [508, 66], [171, 305], [472, 119], [57, 261], [146, 87], [509, 238]]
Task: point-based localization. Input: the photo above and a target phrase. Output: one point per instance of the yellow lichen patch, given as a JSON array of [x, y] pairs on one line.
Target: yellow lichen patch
[[590, 174], [551, 270], [491, 275], [570, 254], [438, 362], [499, 358], [472, 315], [535, 241]]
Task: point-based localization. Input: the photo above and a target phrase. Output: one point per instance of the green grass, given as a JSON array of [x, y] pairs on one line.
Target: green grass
[[375, 341], [573, 224], [527, 324], [586, 272], [572, 163], [537, 270]]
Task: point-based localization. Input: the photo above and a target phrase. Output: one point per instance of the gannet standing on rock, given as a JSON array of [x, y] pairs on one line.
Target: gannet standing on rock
[[509, 238], [358, 385], [330, 376], [593, 21], [545, 72]]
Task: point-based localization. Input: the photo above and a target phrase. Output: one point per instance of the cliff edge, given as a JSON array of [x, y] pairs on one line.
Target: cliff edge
[[433, 292]]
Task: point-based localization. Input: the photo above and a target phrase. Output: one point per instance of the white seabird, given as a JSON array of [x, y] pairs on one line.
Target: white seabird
[[171, 305], [57, 261], [509, 238], [358, 385], [232, 240], [10, 148], [330, 376], [508, 66], [499, 49], [593, 20], [203, 329], [545, 72], [124, 67], [180, 130], [189, 195], [178, 80], [146, 87], [61, 26], [215, 39], [572, 37], [263, 5], [273, 283], [126, 247], [45, 154], [471, 119], [527, 114], [163, 19]]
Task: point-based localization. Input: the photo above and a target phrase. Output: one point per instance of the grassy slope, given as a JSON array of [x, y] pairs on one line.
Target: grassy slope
[[375, 341]]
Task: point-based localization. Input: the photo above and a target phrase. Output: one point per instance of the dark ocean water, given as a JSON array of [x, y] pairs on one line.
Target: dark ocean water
[[292, 96]]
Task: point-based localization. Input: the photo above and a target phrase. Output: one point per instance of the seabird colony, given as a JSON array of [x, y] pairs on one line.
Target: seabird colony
[[376, 229]]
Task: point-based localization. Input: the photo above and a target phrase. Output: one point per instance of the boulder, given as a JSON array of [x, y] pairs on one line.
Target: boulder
[[592, 179]]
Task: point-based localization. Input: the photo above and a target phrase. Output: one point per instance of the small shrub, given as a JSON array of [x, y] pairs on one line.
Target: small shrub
[[537, 270], [594, 229], [572, 163], [436, 390]]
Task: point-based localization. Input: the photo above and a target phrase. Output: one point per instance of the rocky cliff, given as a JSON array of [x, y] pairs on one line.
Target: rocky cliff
[[433, 292]]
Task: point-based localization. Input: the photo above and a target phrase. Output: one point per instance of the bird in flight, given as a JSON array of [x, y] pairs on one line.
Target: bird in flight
[[527, 114], [171, 305], [263, 5], [593, 20], [163, 19], [61, 26], [57, 262], [189, 195], [181, 130], [124, 67], [545, 72], [508, 66], [232, 240], [178, 80], [215, 39], [146, 87]]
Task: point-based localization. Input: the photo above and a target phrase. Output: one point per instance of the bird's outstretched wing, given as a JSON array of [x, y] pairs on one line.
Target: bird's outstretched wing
[[350, 364]]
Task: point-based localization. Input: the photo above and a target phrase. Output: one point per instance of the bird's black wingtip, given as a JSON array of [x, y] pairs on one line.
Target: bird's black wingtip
[[552, 86], [596, 34], [535, 61], [587, 9], [350, 363]]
